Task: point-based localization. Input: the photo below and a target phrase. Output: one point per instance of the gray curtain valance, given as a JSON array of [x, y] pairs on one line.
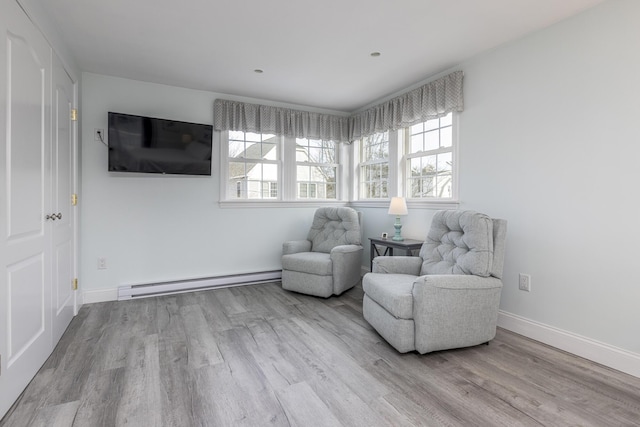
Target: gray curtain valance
[[240, 116], [433, 100]]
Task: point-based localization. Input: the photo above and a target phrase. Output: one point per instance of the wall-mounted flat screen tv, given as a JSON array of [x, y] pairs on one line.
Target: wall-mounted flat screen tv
[[150, 145]]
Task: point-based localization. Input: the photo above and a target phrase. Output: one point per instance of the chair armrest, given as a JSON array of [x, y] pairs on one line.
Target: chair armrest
[[457, 282], [345, 249], [453, 311], [397, 265], [296, 246], [346, 261]]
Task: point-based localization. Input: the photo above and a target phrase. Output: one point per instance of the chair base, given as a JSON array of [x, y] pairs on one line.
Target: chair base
[[305, 283], [400, 333]]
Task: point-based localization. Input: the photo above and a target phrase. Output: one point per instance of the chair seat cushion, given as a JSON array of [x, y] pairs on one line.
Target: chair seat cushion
[[392, 292], [318, 263]]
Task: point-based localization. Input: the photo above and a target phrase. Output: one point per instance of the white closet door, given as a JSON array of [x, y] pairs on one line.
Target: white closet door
[[25, 189], [62, 189]]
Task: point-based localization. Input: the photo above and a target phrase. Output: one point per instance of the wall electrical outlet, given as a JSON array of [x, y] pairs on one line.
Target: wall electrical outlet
[[98, 135], [524, 283], [102, 263]]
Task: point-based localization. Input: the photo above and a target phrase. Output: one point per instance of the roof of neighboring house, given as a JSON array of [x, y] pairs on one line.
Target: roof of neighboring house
[[253, 151]]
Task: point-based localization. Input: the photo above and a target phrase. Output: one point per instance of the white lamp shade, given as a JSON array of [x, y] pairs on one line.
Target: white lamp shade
[[398, 206]]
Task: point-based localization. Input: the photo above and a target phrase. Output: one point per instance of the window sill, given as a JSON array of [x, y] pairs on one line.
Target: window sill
[[234, 204], [412, 204]]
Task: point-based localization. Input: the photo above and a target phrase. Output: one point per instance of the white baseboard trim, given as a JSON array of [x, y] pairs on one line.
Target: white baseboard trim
[[99, 295], [605, 354], [169, 288], [146, 290]]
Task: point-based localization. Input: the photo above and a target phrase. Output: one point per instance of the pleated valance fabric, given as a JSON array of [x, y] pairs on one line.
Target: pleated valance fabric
[[241, 116], [433, 100]]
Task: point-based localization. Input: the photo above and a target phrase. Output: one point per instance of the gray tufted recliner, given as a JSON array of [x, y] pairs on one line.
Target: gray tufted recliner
[[449, 296], [328, 261]]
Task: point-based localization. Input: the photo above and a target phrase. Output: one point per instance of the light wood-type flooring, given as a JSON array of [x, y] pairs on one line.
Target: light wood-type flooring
[[259, 356]]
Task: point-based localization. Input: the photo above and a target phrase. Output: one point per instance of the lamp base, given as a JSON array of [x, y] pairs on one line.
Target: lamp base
[[398, 226]]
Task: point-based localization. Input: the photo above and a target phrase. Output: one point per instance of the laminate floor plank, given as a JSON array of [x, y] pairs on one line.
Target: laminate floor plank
[[540, 404], [258, 355], [577, 394], [141, 399], [260, 406], [213, 310], [442, 397], [101, 397], [202, 348], [56, 416], [231, 301], [304, 408], [276, 359]]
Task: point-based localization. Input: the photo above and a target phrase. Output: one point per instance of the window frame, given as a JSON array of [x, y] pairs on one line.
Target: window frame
[[314, 184], [408, 156], [242, 186], [287, 191], [398, 172], [357, 173]]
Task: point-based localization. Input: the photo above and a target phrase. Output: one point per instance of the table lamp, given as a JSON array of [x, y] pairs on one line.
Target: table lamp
[[398, 207]]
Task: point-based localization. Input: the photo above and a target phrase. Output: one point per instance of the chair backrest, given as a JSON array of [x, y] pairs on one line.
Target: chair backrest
[[332, 227], [464, 242]]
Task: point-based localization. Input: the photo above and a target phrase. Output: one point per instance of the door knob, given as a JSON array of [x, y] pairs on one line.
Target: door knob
[[59, 215], [51, 217]]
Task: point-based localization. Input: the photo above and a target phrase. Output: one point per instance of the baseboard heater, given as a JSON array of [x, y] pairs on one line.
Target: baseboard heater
[[180, 286]]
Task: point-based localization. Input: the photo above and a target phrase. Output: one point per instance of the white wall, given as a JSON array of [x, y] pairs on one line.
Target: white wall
[[550, 140], [159, 228]]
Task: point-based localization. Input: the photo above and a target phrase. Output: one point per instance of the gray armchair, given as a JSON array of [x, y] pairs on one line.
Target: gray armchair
[[328, 261], [449, 296]]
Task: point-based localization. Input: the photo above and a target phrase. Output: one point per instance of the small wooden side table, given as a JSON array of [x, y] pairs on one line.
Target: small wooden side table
[[408, 245]]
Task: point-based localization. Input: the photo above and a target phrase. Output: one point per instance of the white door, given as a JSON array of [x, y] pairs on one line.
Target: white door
[[62, 181], [25, 234]]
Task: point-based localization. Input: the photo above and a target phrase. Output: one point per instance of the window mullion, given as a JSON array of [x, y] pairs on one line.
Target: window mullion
[[395, 156], [430, 152], [288, 169], [224, 165]]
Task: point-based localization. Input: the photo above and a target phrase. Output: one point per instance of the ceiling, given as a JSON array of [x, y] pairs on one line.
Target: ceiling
[[312, 53]]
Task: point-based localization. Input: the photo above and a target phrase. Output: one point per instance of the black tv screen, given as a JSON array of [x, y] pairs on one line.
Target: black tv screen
[[150, 145]]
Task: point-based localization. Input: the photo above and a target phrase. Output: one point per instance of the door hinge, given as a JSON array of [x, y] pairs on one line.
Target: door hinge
[[74, 114], [74, 199], [74, 285]]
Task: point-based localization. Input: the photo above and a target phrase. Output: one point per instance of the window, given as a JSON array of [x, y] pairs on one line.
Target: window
[[374, 167], [253, 167], [429, 159], [417, 162], [265, 168], [316, 169]]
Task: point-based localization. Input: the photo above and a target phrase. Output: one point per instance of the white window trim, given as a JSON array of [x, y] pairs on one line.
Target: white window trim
[[287, 177], [398, 174], [392, 185]]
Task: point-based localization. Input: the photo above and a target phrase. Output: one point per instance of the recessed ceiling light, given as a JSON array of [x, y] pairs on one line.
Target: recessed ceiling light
[[258, 71], [374, 54]]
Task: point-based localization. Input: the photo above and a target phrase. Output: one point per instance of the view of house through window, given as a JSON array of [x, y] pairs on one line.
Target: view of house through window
[[429, 148], [253, 166], [419, 160], [316, 169], [374, 166], [416, 162]]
